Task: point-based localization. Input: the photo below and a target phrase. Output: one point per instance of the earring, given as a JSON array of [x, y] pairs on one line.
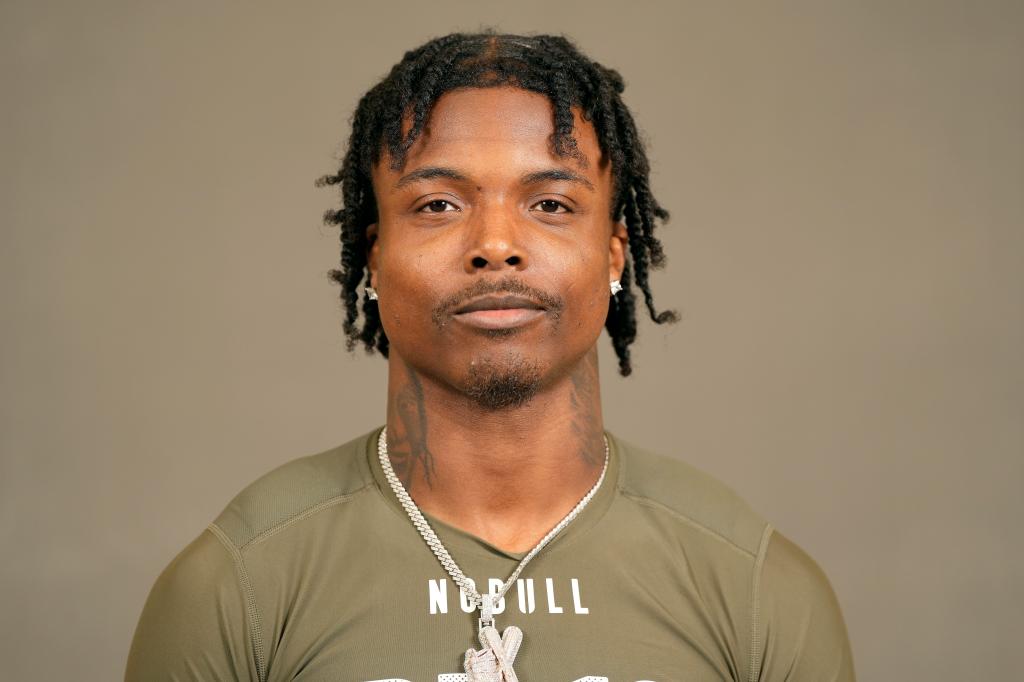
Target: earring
[[615, 286], [371, 293]]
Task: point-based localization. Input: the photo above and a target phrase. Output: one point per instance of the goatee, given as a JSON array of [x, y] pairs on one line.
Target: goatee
[[501, 386]]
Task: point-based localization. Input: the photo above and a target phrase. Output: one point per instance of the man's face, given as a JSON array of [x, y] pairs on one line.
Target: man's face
[[492, 255]]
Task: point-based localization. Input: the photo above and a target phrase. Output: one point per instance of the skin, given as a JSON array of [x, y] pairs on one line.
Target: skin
[[506, 471]]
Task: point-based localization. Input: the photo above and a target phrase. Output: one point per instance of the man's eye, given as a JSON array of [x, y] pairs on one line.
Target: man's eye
[[438, 206], [552, 206]]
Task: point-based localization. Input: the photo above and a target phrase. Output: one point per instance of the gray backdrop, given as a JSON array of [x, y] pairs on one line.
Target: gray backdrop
[[845, 249]]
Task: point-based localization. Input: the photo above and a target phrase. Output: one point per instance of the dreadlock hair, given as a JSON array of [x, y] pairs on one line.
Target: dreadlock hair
[[546, 64]]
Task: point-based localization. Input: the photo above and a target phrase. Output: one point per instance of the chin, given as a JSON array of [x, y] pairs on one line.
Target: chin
[[503, 383]]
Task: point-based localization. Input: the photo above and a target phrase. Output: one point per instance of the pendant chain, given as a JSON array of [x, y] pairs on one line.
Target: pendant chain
[[438, 548]]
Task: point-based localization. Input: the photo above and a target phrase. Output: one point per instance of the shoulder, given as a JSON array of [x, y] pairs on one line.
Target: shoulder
[[692, 496], [295, 490], [792, 621], [201, 620], [799, 626], [194, 621], [790, 570]]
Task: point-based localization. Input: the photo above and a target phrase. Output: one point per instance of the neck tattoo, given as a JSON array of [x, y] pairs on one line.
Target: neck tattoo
[[492, 663]]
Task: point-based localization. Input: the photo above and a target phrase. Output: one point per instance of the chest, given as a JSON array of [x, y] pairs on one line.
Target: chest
[[581, 621]]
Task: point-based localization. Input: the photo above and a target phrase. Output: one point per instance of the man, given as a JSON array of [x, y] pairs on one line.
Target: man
[[496, 205]]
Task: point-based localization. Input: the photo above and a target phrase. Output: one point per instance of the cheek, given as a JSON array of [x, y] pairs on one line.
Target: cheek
[[405, 286], [588, 289]]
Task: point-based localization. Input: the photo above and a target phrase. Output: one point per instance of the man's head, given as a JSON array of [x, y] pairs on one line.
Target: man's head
[[491, 172]]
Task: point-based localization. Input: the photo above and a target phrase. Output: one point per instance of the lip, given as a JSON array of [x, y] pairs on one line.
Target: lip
[[499, 312], [499, 303], [504, 318]]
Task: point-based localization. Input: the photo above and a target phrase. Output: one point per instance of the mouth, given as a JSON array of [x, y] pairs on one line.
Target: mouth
[[499, 312]]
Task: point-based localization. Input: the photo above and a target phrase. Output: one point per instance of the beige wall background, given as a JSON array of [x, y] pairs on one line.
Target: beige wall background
[[846, 250]]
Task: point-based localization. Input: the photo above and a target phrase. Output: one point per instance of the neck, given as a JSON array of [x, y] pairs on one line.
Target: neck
[[507, 476]]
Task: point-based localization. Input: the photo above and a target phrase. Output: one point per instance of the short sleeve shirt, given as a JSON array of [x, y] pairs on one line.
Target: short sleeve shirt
[[315, 573]]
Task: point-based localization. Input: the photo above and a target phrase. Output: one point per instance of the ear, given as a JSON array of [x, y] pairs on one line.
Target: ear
[[617, 251], [372, 249]]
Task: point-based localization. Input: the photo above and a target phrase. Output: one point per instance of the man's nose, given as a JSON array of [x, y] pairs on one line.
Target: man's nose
[[495, 241]]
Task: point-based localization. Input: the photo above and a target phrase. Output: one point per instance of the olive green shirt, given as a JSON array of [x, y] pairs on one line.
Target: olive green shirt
[[314, 573]]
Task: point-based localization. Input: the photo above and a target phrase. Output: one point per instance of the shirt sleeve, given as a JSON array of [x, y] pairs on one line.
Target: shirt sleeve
[[799, 625], [194, 625]]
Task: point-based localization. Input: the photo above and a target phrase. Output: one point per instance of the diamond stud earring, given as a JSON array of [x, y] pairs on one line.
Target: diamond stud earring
[[615, 286], [371, 293]]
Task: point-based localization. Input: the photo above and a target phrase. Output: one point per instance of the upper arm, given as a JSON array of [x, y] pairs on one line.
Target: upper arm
[[800, 626], [194, 624]]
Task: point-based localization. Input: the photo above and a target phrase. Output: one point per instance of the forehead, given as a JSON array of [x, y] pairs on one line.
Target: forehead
[[509, 126]]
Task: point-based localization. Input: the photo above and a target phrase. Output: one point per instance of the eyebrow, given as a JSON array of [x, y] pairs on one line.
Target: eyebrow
[[549, 174], [556, 174], [428, 173]]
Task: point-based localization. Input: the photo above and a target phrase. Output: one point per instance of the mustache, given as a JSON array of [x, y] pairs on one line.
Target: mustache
[[506, 285]]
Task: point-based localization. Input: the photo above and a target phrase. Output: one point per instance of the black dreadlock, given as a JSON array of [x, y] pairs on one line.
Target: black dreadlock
[[549, 65]]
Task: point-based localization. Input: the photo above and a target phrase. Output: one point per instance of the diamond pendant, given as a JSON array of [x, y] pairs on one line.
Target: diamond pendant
[[493, 663]]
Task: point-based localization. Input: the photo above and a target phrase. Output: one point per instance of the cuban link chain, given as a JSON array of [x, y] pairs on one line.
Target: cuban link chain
[[493, 663]]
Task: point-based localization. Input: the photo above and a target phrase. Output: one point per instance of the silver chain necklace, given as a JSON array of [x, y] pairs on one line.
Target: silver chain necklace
[[494, 662]]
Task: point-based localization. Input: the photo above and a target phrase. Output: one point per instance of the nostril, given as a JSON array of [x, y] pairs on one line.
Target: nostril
[[512, 260], [479, 262]]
